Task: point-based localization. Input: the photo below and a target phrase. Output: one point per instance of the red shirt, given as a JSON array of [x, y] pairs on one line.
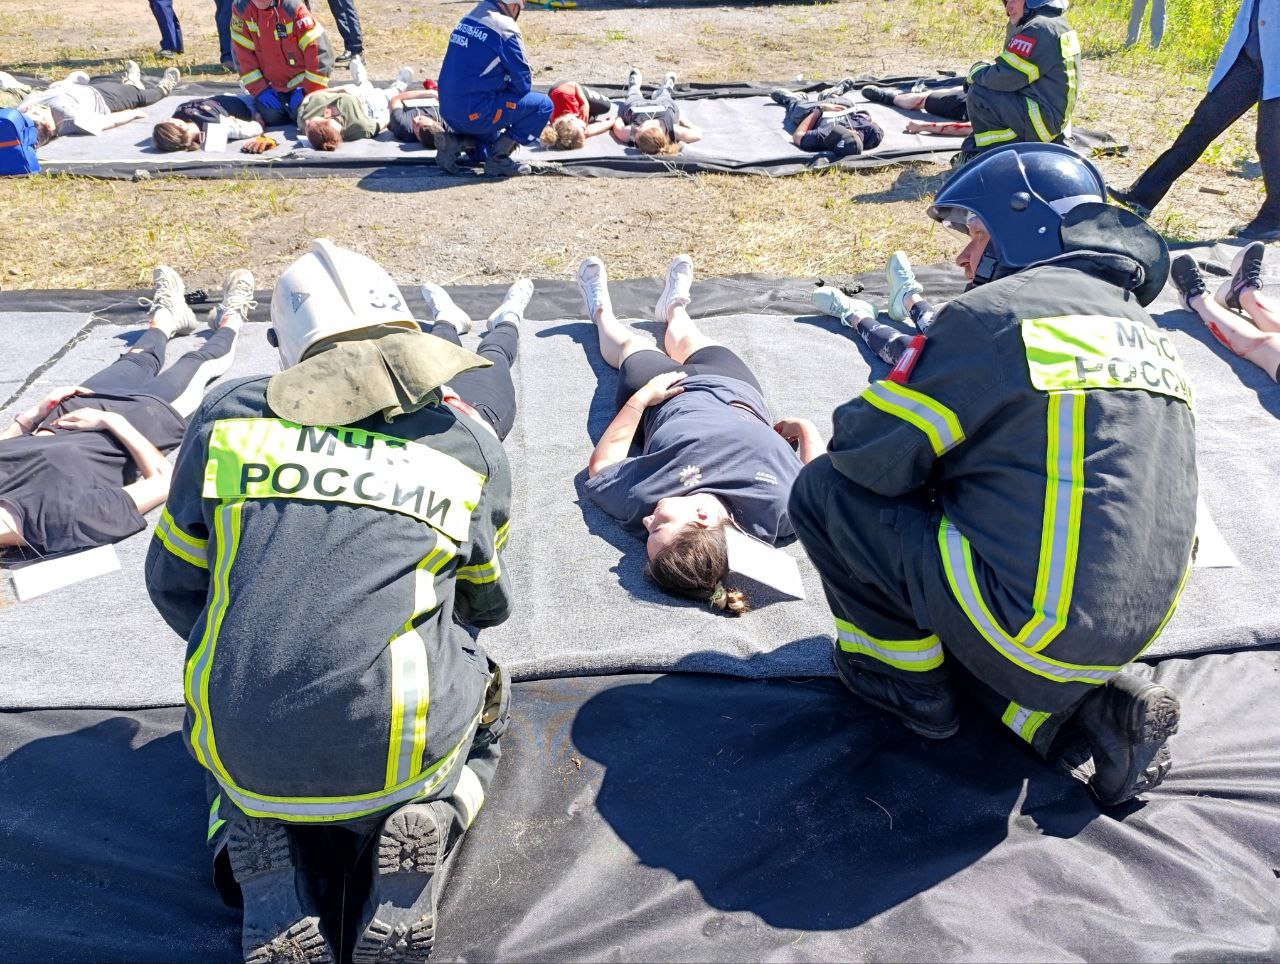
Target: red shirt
[[565, 100]]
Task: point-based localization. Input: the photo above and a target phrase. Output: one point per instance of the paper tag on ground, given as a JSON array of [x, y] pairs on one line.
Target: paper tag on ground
[[1212, 551], [30, 580], [215, 136], [754, 560]]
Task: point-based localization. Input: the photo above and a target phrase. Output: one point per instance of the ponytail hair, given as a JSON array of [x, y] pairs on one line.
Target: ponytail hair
[[694, 565]]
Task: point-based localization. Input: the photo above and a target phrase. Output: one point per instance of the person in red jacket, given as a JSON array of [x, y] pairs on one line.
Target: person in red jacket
[[282, 55]]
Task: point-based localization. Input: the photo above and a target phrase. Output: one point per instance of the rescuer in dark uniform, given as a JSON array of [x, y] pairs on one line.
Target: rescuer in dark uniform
[[1015, 504]]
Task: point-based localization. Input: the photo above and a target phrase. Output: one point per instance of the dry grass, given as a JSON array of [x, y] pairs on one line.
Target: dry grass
[[67, 232]]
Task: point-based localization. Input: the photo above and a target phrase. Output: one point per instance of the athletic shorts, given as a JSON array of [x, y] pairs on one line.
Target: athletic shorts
[[641, 366]]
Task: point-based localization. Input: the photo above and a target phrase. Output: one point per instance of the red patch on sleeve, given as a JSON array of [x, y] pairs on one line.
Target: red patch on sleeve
[[1022, 45], [902, 371]]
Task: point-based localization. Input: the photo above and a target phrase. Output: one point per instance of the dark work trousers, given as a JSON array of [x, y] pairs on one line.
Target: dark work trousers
[[222, 18], [1001, 117], [348, 21], [883, 577], [182, 385], [120, 96], [1238, 90], [335, 850], [489, 391], [167, 21], [951, 104]]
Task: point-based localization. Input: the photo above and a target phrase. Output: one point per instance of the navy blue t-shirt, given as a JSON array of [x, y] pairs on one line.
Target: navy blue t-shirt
[[714, 437]]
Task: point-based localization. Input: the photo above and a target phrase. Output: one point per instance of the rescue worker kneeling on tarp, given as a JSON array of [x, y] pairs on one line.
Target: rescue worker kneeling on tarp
[[282, 55], [486, 92], [1014, 505], [330, 532]]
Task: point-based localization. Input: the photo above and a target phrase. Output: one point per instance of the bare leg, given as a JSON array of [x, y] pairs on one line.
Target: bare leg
[[682, 337], [1237, 334], [910, 101], [617, 341], [1263, 309]]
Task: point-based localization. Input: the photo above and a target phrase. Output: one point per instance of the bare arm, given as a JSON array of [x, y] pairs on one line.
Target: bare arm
[[150, 490], [805, 126], [621, 133], [122, 117], [599, 127], [804, 434], [687, 133], [621, 432], [24, 422]]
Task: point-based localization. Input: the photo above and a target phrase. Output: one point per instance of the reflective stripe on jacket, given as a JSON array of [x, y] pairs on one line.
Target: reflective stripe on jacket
[[281, 47]]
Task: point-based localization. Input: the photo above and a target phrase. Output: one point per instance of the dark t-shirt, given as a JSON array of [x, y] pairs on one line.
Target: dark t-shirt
[[700, 442], [66, 490], [208, 110], [843, 134], [401, 123], [639, 109]]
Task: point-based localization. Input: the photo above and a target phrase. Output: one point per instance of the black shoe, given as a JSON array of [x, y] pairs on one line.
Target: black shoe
[[781, 96], [399, 923], [449, 151], [345, 58], [281, 919], [1248, 275], [1257, 230], [229, 65], [500, 163], [878, 95], [928, 709], [1125, 197], [1187, 279], [1126, 723]]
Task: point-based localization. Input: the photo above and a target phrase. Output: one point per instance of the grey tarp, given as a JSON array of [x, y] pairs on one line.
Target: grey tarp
[[584, 606], [743, 134]]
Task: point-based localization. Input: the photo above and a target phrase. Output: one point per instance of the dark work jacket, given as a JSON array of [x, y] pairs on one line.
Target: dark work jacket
[[1041, 61]]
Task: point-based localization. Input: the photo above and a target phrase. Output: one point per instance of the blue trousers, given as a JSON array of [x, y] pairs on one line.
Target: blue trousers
[[222, 17], [522, 120], [167, 21], [348, 22]]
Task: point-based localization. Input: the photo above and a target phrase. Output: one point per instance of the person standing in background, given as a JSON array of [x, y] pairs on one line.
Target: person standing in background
[[170, 29], [222, 18], [1135, 22], [348, 23]]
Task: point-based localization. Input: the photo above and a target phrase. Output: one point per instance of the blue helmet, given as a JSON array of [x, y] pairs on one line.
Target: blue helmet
[[1020, 193]]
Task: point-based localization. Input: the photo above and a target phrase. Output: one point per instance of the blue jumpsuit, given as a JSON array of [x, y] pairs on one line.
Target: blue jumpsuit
[[486, 87]]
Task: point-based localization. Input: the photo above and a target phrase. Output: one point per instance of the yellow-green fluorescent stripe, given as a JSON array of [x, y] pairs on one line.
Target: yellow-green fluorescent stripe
[[933, 418], [1070, 50], [914, 655], [251, 77], [186, 547], [1023, 721], [310, 37], [215, 822], [320, 79], [987, 138], [410, 697], [242, 40], [500, 537], [1025, 67], [1037, 121]]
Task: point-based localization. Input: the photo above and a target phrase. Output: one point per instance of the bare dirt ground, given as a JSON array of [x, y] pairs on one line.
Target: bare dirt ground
[[74, 232]]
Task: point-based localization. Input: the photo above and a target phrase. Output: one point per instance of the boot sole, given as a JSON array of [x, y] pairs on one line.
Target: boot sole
[[1152, 720], [402, 928], [277, 928], [928, 730]]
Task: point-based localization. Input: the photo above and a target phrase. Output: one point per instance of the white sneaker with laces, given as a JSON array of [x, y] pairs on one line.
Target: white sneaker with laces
[[675, 294], [442, 308], [170, 79], [670, 79], [75, 77], [358, 72], [237, 299], [511, 311], [168, 304], [593, 282], [132, 74], [404, 78], [834, 302], [902, 282]]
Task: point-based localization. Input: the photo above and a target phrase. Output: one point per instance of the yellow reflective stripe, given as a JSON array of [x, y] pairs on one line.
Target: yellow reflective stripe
[[310, 37], [215, 822], [1070, 51], [296, 80], [1037, 121], [481, 572], [424, 591], [976, 69], [987, 138], [933, 418], [1026, 67], [468, 795], [226, 534], [914, 655], [242, 40], [957, 560], [186, 547], [1023, 721], [251, 77], [320, 79], [329, 809], [410, 697], [500, 537], [252, 26], [1172, 606], [1060, 528]]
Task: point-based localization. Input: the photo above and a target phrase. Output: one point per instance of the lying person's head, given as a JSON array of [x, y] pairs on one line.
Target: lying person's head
[[651, 138], [688, 555], [324, 133], [46, 127], [425, 128], [176, 135], [565, 133]]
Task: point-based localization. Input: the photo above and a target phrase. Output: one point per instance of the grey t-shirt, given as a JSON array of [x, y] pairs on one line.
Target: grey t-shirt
[[67, 102], [714, 437]]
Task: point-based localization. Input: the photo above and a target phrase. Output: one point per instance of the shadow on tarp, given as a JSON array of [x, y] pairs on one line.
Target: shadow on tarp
[[878, 815]]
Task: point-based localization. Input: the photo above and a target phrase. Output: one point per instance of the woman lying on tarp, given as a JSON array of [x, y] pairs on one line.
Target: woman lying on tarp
[[577, 112], [80, 104], [711, 457]]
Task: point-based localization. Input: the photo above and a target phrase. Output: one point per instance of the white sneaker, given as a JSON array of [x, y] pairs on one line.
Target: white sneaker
[[170, 79], [670, 79], [75, 77], [442, 308], [634, 78], [593, 282], [902, 282], [358, 72], [404, 78], [237, 299], [132, 74], [511, 311], [834, 302], [168, 304], [675, 294]]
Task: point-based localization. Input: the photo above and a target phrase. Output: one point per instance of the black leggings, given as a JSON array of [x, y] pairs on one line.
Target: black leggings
[[120, 96], [490, 391], [951, 104], [641, 366], [887, 342], [182, 385], [597, 103]]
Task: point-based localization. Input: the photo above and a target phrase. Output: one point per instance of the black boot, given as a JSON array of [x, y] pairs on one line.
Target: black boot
[[500, 163], [928, 709], [1127, 198], [281, 918], [1258, 230], [449, 150], [1125, 724]]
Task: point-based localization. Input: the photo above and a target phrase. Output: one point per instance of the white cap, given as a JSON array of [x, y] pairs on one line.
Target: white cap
[[330, 291]]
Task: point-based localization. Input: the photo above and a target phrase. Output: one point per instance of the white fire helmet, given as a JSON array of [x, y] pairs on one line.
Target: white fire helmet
[[330, 291]]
